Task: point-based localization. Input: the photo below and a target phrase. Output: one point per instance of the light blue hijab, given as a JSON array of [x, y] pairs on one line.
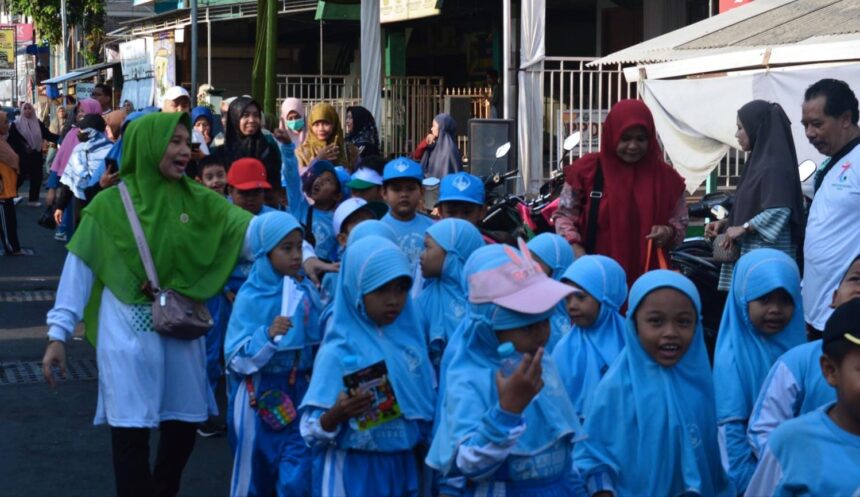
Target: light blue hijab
[[584, 355], [258, 301], [652, 428], [743, 355], [331, 281], [443, 301], [470, 387], [557, 254], [369, 264]]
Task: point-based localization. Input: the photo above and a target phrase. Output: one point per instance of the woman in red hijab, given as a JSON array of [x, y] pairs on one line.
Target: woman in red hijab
[[643, 197]]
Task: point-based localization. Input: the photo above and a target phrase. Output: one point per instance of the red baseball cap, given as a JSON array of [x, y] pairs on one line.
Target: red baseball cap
[[248, 174]]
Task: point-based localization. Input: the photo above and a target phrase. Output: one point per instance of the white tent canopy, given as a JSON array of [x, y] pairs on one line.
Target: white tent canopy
[[696, 118]]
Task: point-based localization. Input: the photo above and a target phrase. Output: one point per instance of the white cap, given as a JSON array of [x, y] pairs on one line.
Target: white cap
[[363, 178], [175, 92], [344, 210]]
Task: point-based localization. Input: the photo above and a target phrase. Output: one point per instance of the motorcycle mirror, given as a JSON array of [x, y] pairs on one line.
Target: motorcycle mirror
[[807, 168], [503, 150], [571, 141], [719, 212]]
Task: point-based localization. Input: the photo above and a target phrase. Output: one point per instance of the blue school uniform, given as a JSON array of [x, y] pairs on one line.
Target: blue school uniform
[[809, 456], [377, 461], [793, 387], [556, 253], [501, 453], [410, 235], [326, 246], [220, 309], [584, 355], [744, 355], [652, 430], [443, 301], [267, 462]]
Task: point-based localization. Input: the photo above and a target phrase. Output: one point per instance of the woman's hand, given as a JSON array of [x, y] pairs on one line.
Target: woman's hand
[[714, 228], [517, 390], [55, 356], [315, 268], [282, 136], [58, 217], [329, 152], [661, 234], [431, 139], [732, 235], [280, 326], [345, 408]]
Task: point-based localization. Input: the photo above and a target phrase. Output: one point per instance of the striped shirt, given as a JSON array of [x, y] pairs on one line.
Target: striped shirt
[[772, 230]]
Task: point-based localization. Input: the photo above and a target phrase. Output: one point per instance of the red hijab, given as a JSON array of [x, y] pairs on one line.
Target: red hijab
[[635, 196]]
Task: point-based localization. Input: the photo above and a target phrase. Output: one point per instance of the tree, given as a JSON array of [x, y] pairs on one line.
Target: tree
[[90, 14]]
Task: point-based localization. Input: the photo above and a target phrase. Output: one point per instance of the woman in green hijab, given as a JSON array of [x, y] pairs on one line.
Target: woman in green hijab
[[147, 380]]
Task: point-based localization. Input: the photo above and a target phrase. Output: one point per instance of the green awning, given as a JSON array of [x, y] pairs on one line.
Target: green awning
[[338, 10]]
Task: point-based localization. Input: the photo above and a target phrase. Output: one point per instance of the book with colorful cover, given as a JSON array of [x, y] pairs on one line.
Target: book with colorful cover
[[374, 379]]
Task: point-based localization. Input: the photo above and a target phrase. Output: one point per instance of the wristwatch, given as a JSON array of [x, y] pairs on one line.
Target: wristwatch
[[746, 226]]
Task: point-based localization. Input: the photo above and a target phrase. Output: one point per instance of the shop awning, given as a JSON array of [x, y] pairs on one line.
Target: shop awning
[[81, 73]]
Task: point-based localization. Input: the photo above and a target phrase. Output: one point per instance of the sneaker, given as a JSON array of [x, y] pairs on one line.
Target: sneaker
[[211, 428], [17, 200], [61, 237], [34, 204]]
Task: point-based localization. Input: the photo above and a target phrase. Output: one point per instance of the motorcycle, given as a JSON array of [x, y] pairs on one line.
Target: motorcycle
[[516, 214]]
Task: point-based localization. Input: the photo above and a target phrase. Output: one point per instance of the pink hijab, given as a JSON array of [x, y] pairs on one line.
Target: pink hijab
[[29, 128], [89, 106], [294, 105]]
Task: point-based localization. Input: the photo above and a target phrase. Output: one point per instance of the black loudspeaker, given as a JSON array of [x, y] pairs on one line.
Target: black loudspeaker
[[487, 135]]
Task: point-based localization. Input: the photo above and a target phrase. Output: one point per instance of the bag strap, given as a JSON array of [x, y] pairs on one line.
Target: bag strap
[[661, 257], [595, 195], [139, 237]]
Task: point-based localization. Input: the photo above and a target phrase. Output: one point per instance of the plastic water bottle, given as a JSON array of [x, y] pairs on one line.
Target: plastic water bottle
[[510, 358]]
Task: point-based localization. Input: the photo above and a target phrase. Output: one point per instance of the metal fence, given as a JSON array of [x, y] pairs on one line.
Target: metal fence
[[409, 104], [577, 98]]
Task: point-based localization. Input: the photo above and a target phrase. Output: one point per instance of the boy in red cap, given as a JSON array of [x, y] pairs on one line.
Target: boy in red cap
[[247, 185]]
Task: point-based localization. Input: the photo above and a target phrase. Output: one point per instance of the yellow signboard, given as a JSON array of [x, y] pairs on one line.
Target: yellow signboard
[[7, 50], [402, 10]]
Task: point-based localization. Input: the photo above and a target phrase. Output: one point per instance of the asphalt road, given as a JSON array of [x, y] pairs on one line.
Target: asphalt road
[[48, 444]]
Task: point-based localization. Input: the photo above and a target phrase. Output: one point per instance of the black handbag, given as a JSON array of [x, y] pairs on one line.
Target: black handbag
[[46, 220]]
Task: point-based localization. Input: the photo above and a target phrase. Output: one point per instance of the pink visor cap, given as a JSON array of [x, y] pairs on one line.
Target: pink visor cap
[[519, 285]]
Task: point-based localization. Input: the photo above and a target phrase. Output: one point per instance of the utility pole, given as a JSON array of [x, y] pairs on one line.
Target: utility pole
[[193, 53], [65, 35]]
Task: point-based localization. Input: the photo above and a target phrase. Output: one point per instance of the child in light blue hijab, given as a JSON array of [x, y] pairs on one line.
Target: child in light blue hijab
[[651, 425], [584, 355], [443, 302], [508, 435], [374, 320], [554, 255], [269, 354], [763, 319]]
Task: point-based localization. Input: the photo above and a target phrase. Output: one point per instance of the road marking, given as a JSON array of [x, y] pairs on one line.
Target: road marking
[[28, 296], [20, 372], [28, 279]]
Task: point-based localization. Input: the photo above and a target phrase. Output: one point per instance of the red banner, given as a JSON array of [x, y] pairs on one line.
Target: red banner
[[730, 4], [24, 34]]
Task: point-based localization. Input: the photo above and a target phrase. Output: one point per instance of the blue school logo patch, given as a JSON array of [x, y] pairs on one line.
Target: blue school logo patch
[[695, 435], [413, 358], [459, 310], [401, 167], [462, 183]]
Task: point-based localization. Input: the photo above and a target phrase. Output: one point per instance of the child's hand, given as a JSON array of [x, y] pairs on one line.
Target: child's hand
[[518, 389], [280, 326], [345, 408]]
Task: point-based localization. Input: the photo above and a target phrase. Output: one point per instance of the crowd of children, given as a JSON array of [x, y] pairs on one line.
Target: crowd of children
[[433, 363]]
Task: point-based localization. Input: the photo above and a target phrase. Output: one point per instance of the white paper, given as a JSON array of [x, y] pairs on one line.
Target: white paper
[[289, 300]]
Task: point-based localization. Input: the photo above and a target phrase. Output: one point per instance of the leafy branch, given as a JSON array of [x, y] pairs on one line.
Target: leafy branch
[[90, 14]]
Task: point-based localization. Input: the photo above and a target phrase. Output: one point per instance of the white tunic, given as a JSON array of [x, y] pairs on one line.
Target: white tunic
[[832, 237], [144, 378]]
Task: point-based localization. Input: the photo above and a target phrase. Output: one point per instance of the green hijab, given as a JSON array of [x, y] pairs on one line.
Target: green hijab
[[195, 235]]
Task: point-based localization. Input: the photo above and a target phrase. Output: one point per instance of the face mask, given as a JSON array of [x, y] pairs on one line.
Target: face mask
[[296, 124]]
